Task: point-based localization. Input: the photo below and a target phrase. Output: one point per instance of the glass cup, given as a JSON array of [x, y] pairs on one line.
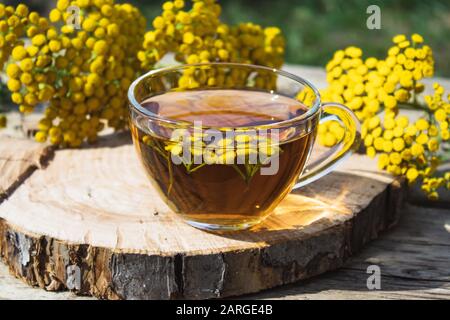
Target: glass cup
[[231, 175]]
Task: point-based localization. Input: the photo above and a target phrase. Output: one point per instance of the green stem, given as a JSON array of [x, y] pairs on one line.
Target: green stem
[[162, 153], [413, 106], [196, 168], [255, 169], [169, 165], [235, 167]]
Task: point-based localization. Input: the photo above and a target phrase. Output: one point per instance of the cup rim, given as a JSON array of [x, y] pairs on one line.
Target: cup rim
[[133, 103]]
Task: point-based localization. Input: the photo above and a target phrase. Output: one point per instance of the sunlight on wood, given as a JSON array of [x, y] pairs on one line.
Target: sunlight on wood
[[298, 212]]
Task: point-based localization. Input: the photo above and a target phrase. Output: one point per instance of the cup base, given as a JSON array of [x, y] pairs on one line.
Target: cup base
[[221, 227]]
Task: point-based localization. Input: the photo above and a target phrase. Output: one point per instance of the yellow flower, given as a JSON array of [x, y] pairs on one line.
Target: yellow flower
[[17, 98], [192, 59], [374, 122], [19, 53], [402, 95], [406, 154], [89, 24], [371, 152], [395, 158], [223, 54], [417, 150], [404, 44], [393, 51], [433, 195], [21, 10], [411, 130], [388, 134], [387, 146], [398, 144], [13, 85], [38, 40], [373, 105], [158, 23], [100, 47], [412, 174], [402, 121], [13, 71], [188, 38], [410, 53], [389, 123], [433, 144], [54, 45], [377, 132], [390, 102], [422, 124], [440, 115], [399, 38], [353, 52], [398, 132], [55, 15], [178, 4], [26, 78], [328, 139], [368, 141], [383, 161], [401, 59], [378, 143], [417, 38], [422, 138], [41, 136], [371, 62]]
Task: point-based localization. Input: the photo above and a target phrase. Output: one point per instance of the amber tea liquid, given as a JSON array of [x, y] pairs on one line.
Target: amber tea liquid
[[222, 194]]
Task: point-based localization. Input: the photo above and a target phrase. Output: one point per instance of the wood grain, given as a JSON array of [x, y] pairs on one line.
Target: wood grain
[[414, 259], [16, 164], [94, 208]]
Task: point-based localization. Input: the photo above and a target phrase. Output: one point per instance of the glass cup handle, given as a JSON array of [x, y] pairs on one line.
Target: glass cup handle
[[331, 158]]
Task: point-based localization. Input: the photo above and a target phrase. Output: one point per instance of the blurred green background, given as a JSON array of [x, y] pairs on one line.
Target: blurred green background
[[314, 29]]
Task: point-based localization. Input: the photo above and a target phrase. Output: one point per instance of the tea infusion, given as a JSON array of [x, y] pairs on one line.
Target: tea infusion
[[228, 186]]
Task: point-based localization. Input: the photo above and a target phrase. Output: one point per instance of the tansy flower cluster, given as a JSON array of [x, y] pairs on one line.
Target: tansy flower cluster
[[82, 73], [371, 87], [197, 35], [28, 80]]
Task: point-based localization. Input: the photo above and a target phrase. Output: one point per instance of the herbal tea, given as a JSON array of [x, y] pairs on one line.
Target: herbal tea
[[220, 179]]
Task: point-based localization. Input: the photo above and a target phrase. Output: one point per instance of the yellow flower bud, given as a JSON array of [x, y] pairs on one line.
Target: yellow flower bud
[[399, 38], [440, 115], [13, 85], [38, 40], [19, 53], [417, 38], [188, 38], [412, 174]]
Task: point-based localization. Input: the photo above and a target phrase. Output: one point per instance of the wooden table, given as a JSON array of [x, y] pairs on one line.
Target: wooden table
[[413, 257]]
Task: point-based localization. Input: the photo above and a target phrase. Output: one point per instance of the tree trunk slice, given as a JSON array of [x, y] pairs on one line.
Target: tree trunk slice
[[94, 210]]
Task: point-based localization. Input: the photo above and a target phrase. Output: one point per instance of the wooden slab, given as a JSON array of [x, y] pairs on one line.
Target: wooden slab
[[94, 209], [413, 258]]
